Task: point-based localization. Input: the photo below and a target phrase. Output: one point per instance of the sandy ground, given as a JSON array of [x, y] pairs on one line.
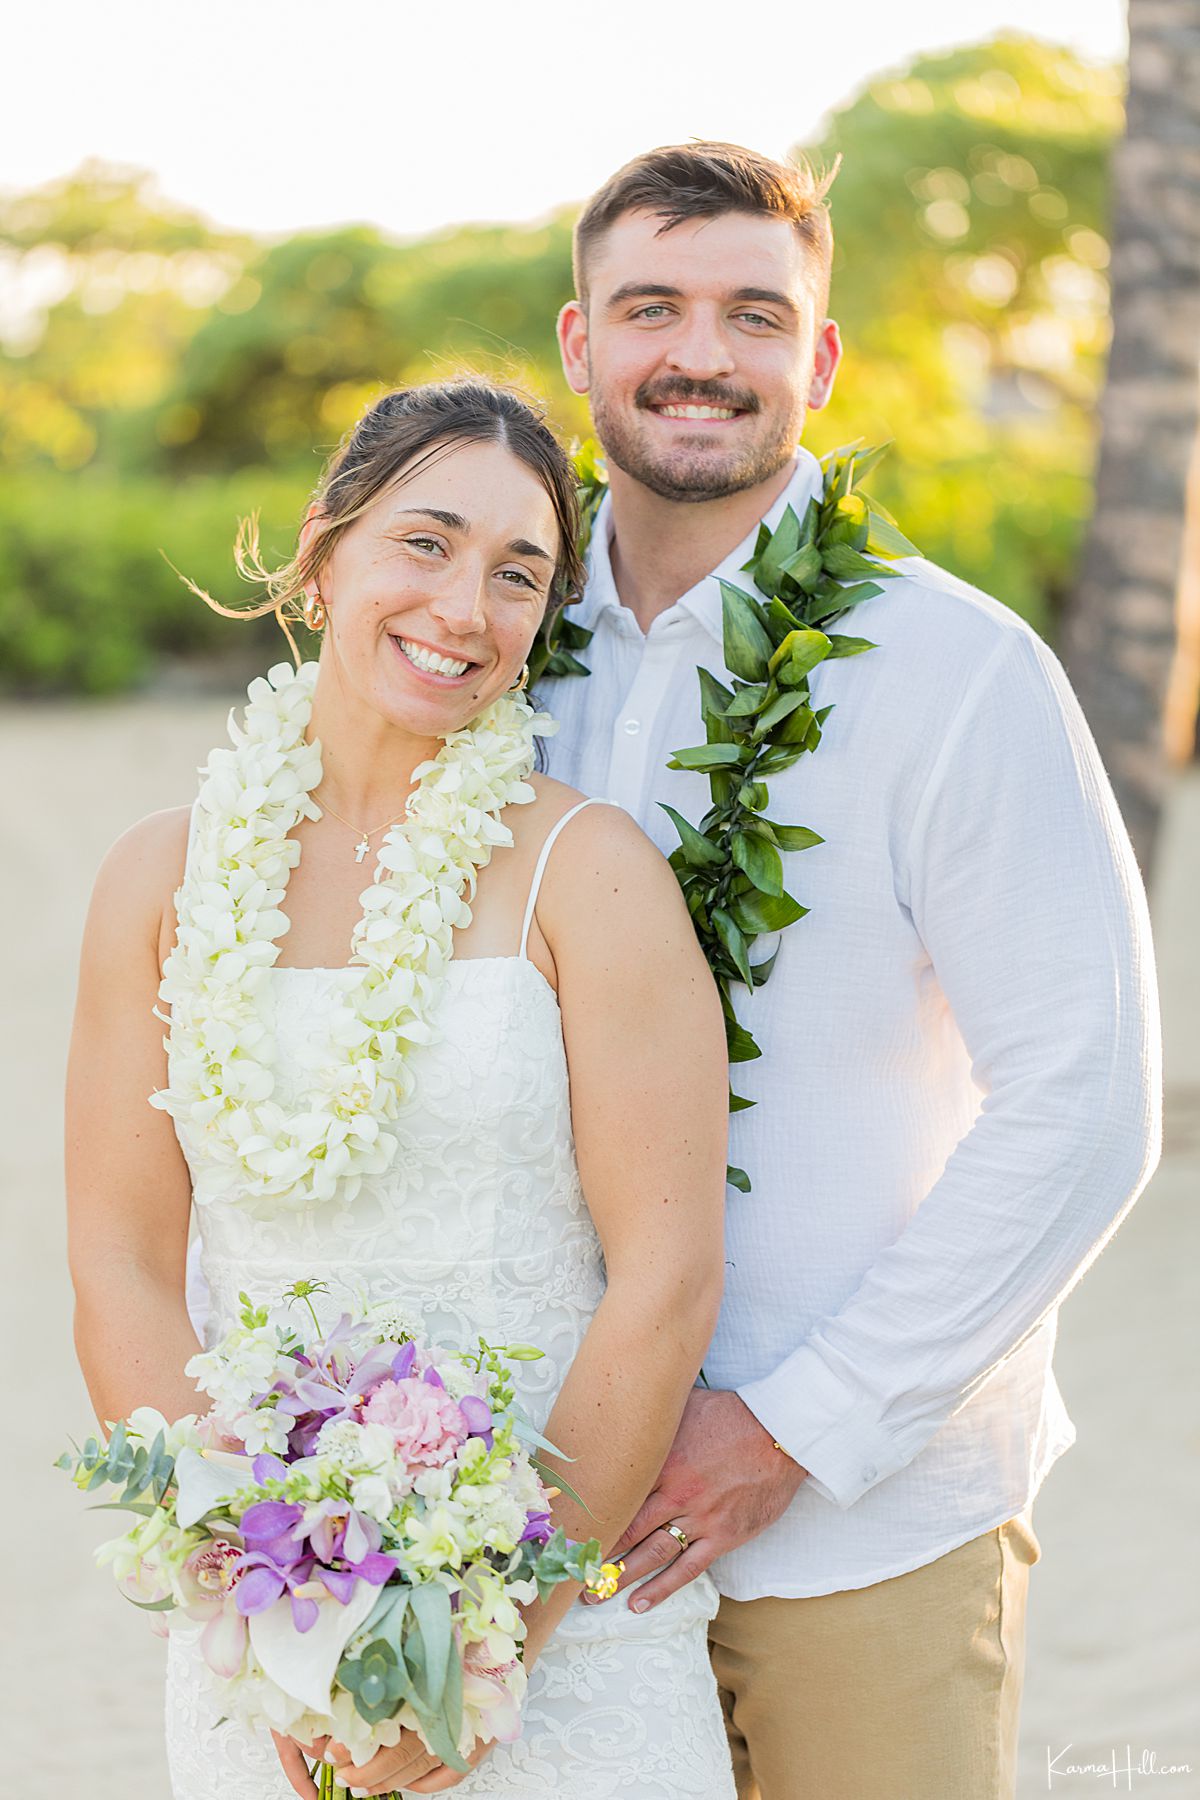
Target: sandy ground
[[1114, 1642]]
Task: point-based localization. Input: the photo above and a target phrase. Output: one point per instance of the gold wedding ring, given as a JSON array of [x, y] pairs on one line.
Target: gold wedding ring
[[680, 1536]]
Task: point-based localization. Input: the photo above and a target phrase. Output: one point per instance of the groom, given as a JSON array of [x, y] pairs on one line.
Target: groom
[[958, 1094]]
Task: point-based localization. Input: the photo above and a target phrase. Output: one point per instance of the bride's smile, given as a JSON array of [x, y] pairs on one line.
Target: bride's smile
[[433, 594]]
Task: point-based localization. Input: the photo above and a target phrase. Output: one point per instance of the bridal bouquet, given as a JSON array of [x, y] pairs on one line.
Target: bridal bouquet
[[354, 1523]]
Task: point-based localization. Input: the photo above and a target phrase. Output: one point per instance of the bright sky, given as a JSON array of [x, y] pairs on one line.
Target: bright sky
[[411, 114]]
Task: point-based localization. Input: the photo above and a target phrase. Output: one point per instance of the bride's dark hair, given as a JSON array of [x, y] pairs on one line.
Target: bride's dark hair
[[399, 434]]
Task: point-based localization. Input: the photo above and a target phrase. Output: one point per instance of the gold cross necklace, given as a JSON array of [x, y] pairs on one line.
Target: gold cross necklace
[[363, 846]]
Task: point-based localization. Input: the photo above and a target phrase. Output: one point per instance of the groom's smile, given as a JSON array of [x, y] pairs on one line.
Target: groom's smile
[[695, 343]]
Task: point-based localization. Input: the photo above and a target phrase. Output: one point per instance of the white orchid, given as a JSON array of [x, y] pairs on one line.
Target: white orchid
[[222, 1081]]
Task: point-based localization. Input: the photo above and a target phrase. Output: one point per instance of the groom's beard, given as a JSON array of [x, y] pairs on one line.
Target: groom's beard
[[705, 472]]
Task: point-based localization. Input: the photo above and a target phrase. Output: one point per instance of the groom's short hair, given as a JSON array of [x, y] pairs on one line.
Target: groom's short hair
[[703, 180]]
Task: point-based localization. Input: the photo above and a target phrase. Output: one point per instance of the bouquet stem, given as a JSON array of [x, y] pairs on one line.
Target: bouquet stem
[[330, 1788]]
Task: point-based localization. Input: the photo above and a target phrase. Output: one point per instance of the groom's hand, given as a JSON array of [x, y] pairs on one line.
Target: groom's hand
[[723, 1482]]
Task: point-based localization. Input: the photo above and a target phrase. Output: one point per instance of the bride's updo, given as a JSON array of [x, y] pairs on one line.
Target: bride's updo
[[403, 431]]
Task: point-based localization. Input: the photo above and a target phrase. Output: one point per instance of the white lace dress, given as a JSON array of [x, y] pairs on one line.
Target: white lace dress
[[481, 1225]]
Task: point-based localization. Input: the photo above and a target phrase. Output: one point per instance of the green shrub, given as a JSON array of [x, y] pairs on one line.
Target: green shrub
[[88, 603]]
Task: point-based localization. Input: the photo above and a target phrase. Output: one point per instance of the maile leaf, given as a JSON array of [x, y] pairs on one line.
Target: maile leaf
[[696, 848], [747, 646], [766, 912], [733, 943], [706, 756], [793, 837], [737, 1178], [759, 860]]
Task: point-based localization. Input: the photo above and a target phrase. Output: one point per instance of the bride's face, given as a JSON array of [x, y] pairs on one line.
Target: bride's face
[[434, 595]]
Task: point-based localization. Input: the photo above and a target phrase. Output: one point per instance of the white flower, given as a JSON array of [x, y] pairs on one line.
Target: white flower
[[145, 1422], [460, 1380], [222, 1083], [263, 1429], [395, 1321], [242, 1365]]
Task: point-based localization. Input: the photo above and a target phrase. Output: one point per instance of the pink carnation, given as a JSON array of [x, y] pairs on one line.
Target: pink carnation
[[425, 1422]]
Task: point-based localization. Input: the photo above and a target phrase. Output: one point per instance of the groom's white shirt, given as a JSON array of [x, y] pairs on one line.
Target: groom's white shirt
[[959, 1089]]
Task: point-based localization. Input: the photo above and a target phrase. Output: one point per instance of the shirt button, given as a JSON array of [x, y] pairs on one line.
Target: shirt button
[[633, 726], [870, 1472]]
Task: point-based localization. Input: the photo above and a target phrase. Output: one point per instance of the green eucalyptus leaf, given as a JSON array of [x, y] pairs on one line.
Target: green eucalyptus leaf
[[429, 1608], [747, 645], [696, 848], [759, 860]]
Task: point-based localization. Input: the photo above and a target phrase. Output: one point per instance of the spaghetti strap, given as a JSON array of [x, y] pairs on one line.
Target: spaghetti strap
[[543, 858]]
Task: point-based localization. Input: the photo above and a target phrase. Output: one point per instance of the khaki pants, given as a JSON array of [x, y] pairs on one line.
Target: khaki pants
[[908, 1690]]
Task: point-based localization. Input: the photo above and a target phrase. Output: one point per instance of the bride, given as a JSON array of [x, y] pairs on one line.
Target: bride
[[535, 1147]]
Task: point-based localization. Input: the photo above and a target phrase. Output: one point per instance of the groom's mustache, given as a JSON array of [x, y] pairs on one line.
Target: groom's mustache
[[695, 393]]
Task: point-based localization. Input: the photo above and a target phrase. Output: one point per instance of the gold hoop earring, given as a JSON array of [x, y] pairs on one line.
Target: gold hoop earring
[[314, 612], [523, 683]]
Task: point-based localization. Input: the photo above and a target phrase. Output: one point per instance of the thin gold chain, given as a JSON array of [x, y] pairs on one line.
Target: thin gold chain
[[364, 837]]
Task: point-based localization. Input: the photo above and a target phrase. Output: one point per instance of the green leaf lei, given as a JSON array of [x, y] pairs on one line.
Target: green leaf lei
[[809, 573]]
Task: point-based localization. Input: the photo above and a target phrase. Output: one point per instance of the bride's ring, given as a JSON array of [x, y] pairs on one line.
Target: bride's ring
[[681, 1537]]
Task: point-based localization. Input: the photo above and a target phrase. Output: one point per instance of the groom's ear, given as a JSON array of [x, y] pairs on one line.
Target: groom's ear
[[572, 345]]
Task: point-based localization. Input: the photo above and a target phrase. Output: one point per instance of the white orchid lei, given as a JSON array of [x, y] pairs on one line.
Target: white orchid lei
[[221, 1095]]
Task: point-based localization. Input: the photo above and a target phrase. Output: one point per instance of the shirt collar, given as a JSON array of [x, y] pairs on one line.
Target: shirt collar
[[704, 600]]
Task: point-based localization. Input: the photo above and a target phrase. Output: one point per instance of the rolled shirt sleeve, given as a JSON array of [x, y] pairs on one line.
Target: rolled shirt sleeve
[[1024, 890]]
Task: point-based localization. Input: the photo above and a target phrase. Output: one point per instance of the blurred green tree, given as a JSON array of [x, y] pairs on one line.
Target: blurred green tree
[[969, 283], [151, 366]]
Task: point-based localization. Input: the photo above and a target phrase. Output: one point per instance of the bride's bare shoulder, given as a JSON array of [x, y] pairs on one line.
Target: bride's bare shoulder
[[611, 861], [137, 880]]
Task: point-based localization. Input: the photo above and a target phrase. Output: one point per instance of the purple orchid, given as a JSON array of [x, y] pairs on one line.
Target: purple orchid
[[337, 1532], [478, 1416], [537, 1525], [274, 1562]]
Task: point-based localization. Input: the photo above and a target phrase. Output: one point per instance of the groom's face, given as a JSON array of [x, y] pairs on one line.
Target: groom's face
[[700, 349]]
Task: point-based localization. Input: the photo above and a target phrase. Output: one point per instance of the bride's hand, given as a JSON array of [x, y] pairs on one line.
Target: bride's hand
[[401, 1765], [441, 1778], [294, 1758]]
